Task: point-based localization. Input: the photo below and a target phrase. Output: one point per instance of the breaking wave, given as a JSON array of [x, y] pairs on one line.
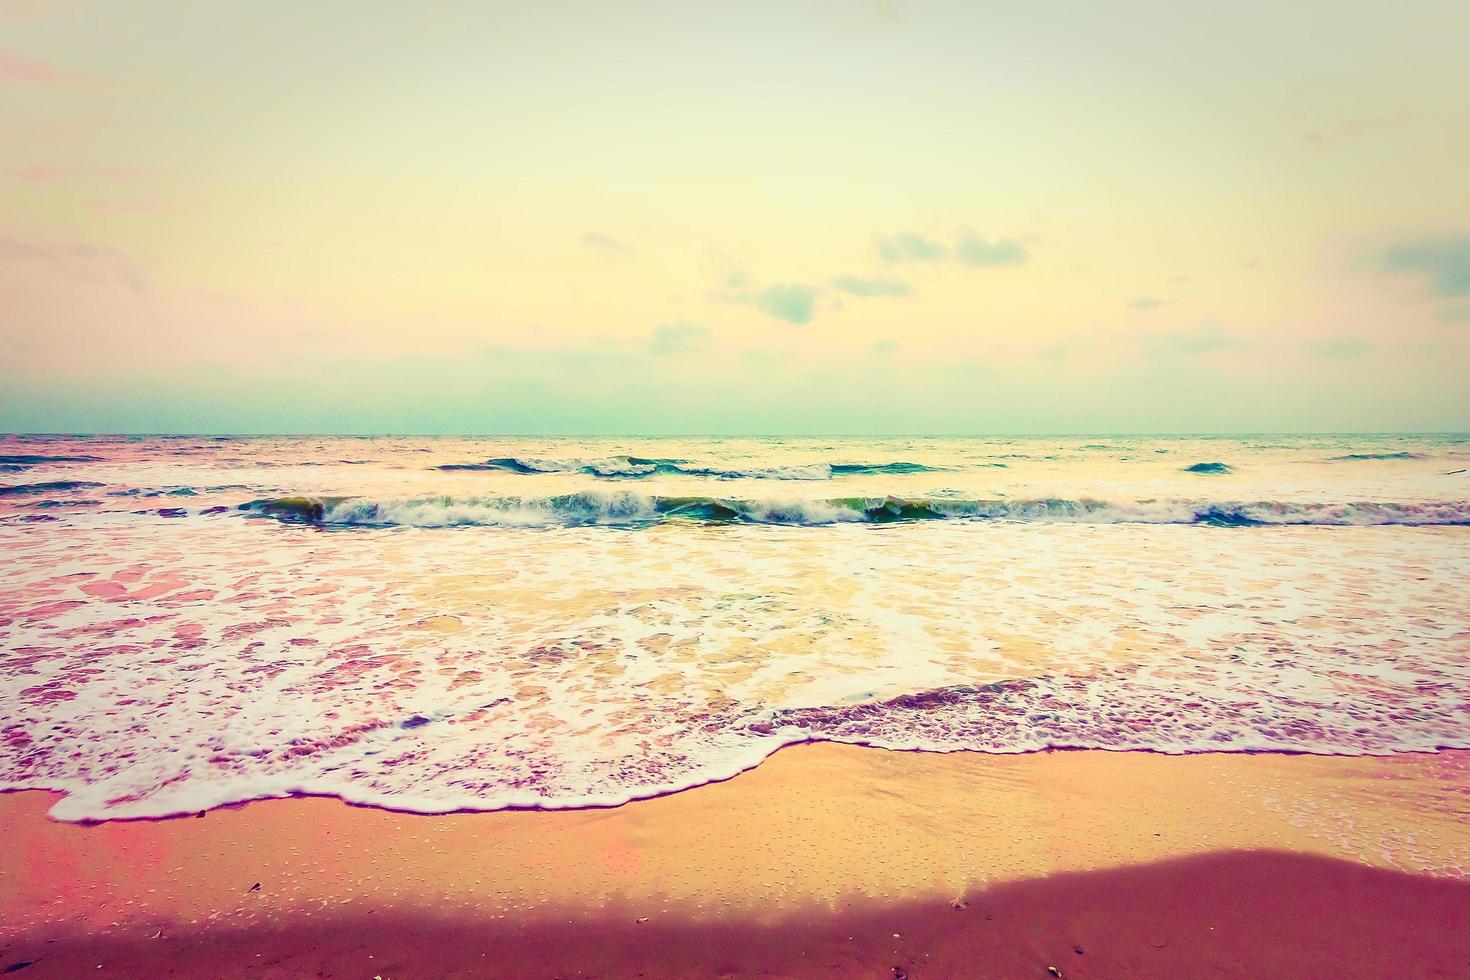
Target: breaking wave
[[631, 509]]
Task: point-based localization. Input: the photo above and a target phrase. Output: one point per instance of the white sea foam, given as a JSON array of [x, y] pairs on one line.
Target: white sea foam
[[464, 642], [629, 508]]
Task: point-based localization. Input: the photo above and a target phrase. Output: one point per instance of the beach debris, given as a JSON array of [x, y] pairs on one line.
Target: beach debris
[[417, 721], [642, 919], [1077, 950], [254, 888], [17, 965], [898, 973], [1054, 971], [959, 904], [158, 934], [199, 815]]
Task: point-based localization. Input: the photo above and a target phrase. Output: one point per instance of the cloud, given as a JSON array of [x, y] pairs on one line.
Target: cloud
[[14, 68], [27, 9], [971, 250], [146, 204], [1145, 303], [858, 286], [909, 247], [1444, 263], [45, 173], [1207, 338], [74, 260], [723, 271], [599, 242], [978, 253], [90, 314], [793, 302], [1342, 346], [677, 338], [1353, 128]]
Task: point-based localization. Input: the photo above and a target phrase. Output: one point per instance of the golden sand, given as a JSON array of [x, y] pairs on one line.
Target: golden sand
[[818, 838]]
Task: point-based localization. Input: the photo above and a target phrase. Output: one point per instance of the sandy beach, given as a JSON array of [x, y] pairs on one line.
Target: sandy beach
[[891, 491], [827, 860]]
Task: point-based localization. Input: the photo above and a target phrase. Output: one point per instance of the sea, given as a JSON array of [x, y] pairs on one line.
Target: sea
[[480, 623]]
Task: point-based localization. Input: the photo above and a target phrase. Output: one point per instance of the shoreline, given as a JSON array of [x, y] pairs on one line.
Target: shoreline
[[58, 795], [820, 842]]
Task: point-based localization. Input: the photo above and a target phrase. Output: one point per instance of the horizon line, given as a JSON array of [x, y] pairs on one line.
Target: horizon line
[[1069, 434]]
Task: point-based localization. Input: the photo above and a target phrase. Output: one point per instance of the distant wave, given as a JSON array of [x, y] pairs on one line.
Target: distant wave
[[53, 486], [176, 491], [1360, 456], [632, 510], [637, 467], [1208, 468], [847, 469], [33, 460]]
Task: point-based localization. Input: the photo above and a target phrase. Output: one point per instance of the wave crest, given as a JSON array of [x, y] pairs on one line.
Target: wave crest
[[638, 467], [53, 486], [625, 508], [1353, 457]]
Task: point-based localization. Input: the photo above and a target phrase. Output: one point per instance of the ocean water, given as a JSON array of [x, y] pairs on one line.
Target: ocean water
[[443, 624]]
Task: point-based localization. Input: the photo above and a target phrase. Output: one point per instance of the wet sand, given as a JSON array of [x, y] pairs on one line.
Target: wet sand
[[826, 860]]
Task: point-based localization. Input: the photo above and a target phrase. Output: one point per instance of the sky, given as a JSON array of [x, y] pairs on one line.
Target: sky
[[794, 217]]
